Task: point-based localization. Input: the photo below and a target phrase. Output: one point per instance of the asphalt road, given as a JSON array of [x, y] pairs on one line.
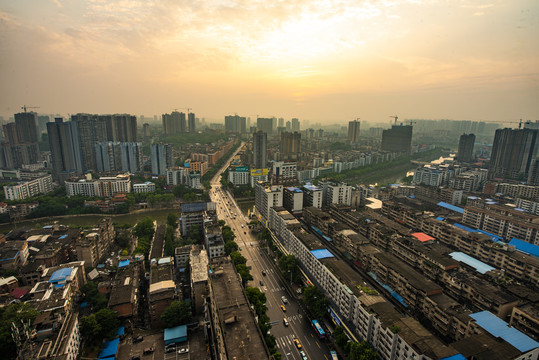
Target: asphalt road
[[271, 284]]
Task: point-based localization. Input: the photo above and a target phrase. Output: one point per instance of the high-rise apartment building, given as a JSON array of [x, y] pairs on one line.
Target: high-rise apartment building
[[291, 144], [265, 125], [353, 131], [235, 123], [312, 195], [121, 127], [20, 142], [26, 124], [91, 129], [260, 150], [174, 123], [295, 124], [112, 156], [266, 197], [65, 149], [191, 122], [513, 152], [397, 139], [161, 155], [466, 144], [146, 130]]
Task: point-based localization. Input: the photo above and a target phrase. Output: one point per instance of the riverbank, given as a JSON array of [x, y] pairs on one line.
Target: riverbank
[[85, 220]]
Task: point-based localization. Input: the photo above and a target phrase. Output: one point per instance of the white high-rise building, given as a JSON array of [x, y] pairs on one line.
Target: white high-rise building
[[266, 197], [336, 194]]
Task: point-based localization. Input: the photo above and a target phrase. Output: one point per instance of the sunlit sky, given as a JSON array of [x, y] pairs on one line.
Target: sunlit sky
[[318, 60]]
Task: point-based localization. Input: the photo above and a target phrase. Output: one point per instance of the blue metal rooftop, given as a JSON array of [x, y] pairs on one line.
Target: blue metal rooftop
[[110, 348], [480, 266], [60, 275], [121, 264], [451, 207], [525, 247], [321, 253], [499, 328], [294, 189]]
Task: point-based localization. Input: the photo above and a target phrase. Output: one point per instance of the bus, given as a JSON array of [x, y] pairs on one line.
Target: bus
[[319, 331], [333, 354]]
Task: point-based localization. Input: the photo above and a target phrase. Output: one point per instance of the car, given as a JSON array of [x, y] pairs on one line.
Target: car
[[136, 357], [170, 349], [148, 350], [283, 308], [285, 322], [251, 244], [261, 283], [138, 339], [285, 301], [245, 233], [303, 355], [263, 272], [183, 351], [298, 344], [242, 225]]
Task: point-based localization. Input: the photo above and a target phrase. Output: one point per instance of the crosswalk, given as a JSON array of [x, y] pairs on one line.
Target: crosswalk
[[285, 342]]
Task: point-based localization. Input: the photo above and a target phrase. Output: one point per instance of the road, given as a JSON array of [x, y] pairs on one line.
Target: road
[[271, 283]]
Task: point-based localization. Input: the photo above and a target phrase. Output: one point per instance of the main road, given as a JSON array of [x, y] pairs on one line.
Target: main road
[[267, 278]]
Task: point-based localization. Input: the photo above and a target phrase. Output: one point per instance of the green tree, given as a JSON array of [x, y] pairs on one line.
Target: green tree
[[221, 223], [177, 313], [289, 265], [172, 220], [13, 313], [92, 295], [340, 336], [230, 247], [257, 299], [315, 301], [362, 351], [237, 258], [244, 273], [109, 322]]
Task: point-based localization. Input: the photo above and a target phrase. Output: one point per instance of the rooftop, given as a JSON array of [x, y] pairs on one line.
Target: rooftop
[[480, 266]]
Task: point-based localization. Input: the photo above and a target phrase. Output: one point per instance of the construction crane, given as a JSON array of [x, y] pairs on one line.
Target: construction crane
[[395, 117], [24, 107], [188, 109]]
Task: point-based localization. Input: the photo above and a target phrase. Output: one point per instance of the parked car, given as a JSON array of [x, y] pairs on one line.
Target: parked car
[[148, 350], [138, 339], [183, 351], [170, 349]]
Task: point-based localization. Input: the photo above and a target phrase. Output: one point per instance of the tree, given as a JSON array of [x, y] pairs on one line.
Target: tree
[[315, 300], [172, 220], [237, 258], [230, 247], [92, 295], [244, 273], [257, 299], [289, 264], [13, 313], [340, 336], [177, 313], [144, 227], [221, 223], [108, 319], [362, 351]]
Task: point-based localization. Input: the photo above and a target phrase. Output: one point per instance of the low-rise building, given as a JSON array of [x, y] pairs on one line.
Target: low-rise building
[[162, 289], [26, 189], [124, 295], [102, 187], [146, 187]]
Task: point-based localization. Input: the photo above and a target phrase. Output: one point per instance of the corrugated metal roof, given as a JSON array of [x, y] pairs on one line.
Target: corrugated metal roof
[[480, 266], [499, 328], [451, 207], [525, 247], [60, 275], [321, 253]]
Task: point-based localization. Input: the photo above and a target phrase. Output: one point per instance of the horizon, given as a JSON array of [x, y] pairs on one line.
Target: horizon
[[321, 61]]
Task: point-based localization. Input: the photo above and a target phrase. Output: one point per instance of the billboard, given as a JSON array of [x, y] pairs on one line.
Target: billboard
[[259, 172], [241, 168]]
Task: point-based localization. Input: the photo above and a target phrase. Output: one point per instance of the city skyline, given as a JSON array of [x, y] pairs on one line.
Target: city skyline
[[319, 61]]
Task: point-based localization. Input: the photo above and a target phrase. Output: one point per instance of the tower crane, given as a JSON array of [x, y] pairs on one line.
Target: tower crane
[[188, 109], [24, 107], [395, 117]]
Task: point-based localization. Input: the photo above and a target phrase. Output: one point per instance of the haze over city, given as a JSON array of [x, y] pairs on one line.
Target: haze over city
[[326, 61]]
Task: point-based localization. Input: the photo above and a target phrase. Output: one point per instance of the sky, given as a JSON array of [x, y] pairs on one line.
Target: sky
[[318, 60]]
